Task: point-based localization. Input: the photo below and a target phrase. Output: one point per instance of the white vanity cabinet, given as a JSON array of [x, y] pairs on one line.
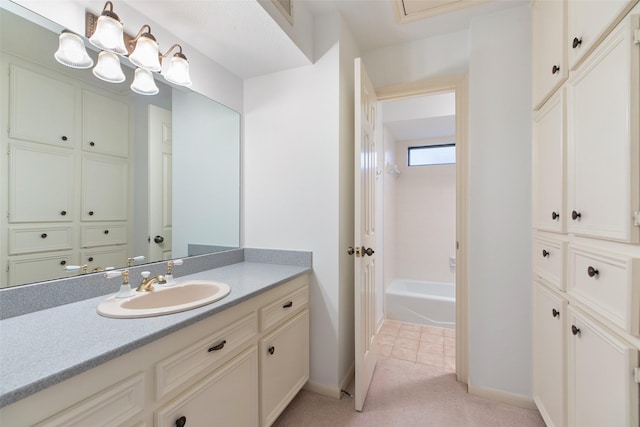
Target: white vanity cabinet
[[211, 373], [603, 139], [589, 21], [549, 48], [549, 356]]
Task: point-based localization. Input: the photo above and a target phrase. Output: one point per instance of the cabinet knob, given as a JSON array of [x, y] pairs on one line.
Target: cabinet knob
[[271, 350], [576, 42], [64, 138], [555, 215], [63, 213], [592, 272], [217, 347], [93, 144], [90, 213], [43, 235], [63, 262], [181, 422], [545, 253], [555, 313], [158, 239], [288, 305], [106, 231], [575, 330], [575, 215], [555, 69], [90, 259]]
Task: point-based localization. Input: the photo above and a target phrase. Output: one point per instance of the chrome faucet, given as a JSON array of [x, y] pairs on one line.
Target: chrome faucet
[[147, 282]]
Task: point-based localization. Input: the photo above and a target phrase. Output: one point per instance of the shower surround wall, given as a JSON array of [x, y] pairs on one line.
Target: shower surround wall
[[424, 223]]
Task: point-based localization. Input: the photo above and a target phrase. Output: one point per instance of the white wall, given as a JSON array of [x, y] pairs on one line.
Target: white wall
[[500, 202], [425, 217]]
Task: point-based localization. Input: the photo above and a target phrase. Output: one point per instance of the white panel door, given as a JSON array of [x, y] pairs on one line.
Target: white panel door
[[160, 190], [365, 233]]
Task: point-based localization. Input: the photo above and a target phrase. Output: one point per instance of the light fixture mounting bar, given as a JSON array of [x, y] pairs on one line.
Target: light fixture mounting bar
[[90, 23]]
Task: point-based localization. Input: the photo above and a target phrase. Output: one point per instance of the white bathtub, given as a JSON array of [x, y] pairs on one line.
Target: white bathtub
[[425, 303]]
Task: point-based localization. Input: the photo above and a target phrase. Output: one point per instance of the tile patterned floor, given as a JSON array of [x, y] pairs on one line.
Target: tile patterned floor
[[425, 345]]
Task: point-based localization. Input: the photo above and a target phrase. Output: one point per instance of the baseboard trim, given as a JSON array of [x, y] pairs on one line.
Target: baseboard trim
[[329, 391], [502, 397]]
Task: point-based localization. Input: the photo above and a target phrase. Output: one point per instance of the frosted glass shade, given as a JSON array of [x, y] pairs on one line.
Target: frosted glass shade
[[145, 55], [109, 35], [144, 83], [72, 52], [108, 68], [178, 72]]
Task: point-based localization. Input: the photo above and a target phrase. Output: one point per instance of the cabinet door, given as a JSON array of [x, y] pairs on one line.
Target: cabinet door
[[227, 397], [602, 390], [602, 135], [284, 366], [104, 188], [105, 125], [549, 376], [549, 211], [588, 22], [41, 109], [41, 182], [549, 48]]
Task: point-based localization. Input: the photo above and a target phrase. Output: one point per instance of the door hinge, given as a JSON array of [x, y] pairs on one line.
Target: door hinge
[[636, 36], [636, 218], [636, 375]]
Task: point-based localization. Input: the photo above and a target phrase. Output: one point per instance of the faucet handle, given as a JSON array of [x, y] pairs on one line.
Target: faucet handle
[[145, 274], [112, 273]]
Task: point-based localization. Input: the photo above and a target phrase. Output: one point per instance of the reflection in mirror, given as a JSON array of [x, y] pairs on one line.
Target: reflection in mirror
[[97, 174]]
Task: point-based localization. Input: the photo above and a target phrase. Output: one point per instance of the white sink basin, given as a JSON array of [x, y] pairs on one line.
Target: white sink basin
[[165, 300]]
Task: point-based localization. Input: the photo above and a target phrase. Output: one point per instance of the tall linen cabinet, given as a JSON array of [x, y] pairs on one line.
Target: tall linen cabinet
[[586, 212]]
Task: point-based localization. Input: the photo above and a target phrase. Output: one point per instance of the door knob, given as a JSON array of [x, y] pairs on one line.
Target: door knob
[[368, 251], [350, 250], [158, 239]]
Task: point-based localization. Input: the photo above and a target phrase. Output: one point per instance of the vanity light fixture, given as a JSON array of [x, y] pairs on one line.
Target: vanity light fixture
[[72, 51], [144, 83], [109, 32], [108, 68], [145, 54], [178, 69]]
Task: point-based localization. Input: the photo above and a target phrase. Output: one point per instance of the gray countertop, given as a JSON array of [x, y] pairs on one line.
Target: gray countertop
[[43, 348]]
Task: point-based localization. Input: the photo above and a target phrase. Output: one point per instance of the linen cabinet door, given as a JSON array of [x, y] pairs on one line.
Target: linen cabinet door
[[549, 343], [602, 135], [227, 397], [548, 166], [105, 125], [602, 390], [549, 48], [104, 188]]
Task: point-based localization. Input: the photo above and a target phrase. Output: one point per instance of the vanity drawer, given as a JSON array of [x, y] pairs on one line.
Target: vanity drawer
[[204, 355], [27, 240], [105, 257], [103, 234], [549, 261], [35, 268], [284, 307], [608, 283]]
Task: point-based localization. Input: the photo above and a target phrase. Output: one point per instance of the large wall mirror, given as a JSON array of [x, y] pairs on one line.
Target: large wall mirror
[[96, 174]]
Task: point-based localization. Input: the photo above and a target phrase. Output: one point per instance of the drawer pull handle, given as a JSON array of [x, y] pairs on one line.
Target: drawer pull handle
[[555, 69], [555, 313], [90, 259], [555, 215], [271, 350], [576, 42], [64, 138], [63, 213], [575, 330], [217, 346], [575, 215], [90, 213], [181, 422], [592, 272], [93, 144], [288, 305], [63, 262], [545, 253], [43, 235], [106, 231]]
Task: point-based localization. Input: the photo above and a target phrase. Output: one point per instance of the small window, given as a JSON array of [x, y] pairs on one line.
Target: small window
[[428, 155]]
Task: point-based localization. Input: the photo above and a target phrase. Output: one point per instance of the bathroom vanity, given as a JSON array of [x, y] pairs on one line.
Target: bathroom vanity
[[236, 362]]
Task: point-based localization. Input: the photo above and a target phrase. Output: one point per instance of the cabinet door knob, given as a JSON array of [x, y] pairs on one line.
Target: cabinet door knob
[[106, 231], [90, 259], [592, 272], [576, 42], [218, 346], [555, 313], [93, 144], [43, 235], [64, 138], [545, 253], [90, 213], [63, 213], [575, 330], [181, 422], [288, 305], [555, 69], [63, 262], [271, 350], [555, 215], [575, 215], [158, 239]]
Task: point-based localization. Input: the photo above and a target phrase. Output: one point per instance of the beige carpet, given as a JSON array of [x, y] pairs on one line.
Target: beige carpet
[[405, 394]]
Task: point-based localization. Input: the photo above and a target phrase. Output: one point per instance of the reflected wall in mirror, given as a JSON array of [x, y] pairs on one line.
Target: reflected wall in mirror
[[97, 174]]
